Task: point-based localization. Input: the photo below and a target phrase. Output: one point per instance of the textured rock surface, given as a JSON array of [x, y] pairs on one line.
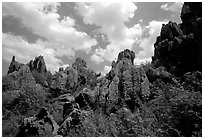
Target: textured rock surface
[[158, 73], [42, 124], [179, 47], [38, 64], [14, 65], [21, 77], [79, 63], [126, 85]]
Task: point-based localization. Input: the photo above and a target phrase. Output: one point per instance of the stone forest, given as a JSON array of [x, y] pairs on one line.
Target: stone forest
[[158, 99]]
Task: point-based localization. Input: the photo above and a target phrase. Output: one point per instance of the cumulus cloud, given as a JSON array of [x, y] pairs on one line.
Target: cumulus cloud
[[24, 51], [105, 70], [138, 61], [175, 7], [96, 58], [42, 19], [147, 43], [111, 18]]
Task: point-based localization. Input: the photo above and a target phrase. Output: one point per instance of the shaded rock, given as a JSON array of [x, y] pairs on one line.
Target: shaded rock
[[113, 96], [65, 98], [173, 48], [191, 10], [135, 87], [193, 80], [68, 107], [14, 65], [72, 118], [79, 63], [42, 124], [158, 73], [21, 77], [86, 98], [126, 54], [170, 30], [38, 64]]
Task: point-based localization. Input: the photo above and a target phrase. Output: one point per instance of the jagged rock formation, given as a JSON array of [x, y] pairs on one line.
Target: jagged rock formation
[[158, 73], [73, 78], [128, 101], [38, 65], [179, 47], [18, 79], [124, 86], [14, 65]]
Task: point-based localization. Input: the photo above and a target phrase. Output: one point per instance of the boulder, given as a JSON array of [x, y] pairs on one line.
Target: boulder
[[72, 118], [86, 98]]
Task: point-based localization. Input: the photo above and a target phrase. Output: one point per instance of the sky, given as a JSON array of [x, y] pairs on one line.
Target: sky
[[96, 32]]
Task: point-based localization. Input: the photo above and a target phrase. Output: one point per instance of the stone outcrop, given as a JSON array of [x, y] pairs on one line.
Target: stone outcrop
[[79, 63], [126, 85], [158, 73], [42, 124], [21, 77], [14, 65], [75, 77], [86, 98], [71, 116], [179, 47], [38, 65]]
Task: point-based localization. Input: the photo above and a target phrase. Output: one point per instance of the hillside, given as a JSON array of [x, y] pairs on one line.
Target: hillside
[[158, 99]]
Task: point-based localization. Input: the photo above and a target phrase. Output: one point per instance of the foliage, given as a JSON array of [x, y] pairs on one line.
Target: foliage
[[18, 104]]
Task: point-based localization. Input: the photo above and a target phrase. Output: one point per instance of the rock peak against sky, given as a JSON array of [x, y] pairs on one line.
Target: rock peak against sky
[[96, 32]]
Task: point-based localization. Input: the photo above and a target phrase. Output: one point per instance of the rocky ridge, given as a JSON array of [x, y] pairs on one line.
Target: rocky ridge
[[162, 99]]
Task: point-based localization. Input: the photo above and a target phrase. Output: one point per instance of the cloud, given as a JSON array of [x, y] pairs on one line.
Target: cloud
[[138, 61], [105, 70], [42, 19], [147, 43], [174, 7], [96, 58], [111, 18], [24, 51]]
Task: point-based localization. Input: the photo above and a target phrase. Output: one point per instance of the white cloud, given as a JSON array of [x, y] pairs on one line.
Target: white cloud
[[105, 70], [96, 58], [175, 7], [111, 18], [24, 51], [147, 44], [138, 61], [42, 19]]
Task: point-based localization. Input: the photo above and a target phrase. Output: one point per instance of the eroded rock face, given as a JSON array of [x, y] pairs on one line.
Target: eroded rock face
[[126, 54], [14, 65], [42, 124], [179, 47], [21, 77], [74, 77], [79, 63], [158, 73], [86, 98], [71, 116], [126, 85], [38, 64]]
